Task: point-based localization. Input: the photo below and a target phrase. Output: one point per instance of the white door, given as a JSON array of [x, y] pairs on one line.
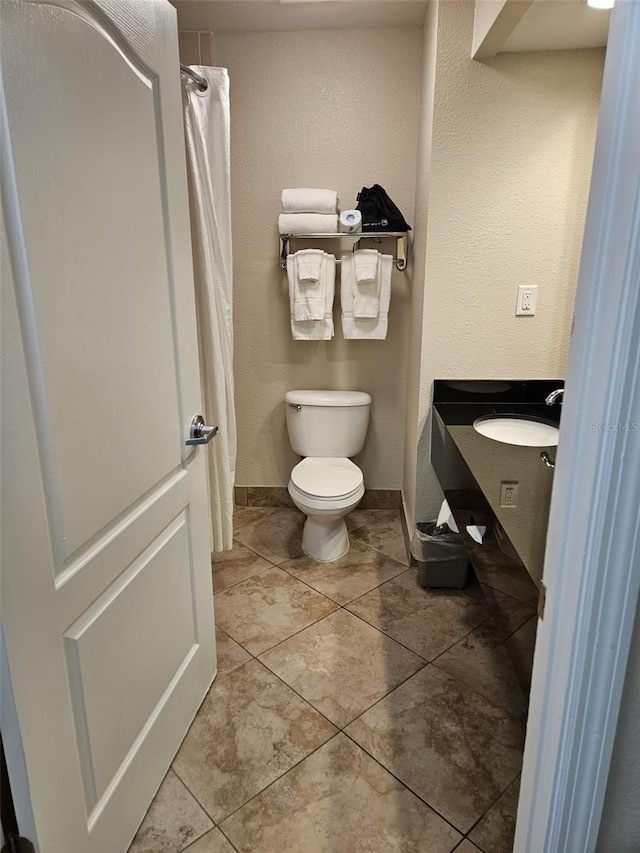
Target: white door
[[107, 606]]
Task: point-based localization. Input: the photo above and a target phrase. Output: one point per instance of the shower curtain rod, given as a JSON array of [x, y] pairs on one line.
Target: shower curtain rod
[[200, 82]]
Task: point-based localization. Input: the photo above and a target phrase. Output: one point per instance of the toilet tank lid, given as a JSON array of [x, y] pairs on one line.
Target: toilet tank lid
[[328, 398]]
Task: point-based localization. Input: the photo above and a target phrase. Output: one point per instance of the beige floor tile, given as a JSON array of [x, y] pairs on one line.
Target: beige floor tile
[[512, 580], [237, 565], [230, 654], [173, 821], [380, 529], [494, 833], [521, 647], [213, 842], [341, 665], [467, 847], [508, 613], [249, 514], [276, 536], [338, 801], [269, 608], [359, 571], [448, 744], [426, 621], [481, 660], [250, 729]]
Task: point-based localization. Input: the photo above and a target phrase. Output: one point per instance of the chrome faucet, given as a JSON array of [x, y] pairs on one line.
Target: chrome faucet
[[553, 396]]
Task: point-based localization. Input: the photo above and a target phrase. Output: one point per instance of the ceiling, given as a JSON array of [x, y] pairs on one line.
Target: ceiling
[[266, 15], [559, 25], [546, 25]]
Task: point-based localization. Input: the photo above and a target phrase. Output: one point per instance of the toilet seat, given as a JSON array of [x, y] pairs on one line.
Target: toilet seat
[[327, 478]]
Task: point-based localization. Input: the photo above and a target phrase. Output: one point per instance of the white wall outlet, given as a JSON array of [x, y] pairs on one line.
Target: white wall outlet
[[526, 303], [508, 493]]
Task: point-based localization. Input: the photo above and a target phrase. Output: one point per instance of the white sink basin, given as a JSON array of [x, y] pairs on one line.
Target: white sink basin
[[527, 432]]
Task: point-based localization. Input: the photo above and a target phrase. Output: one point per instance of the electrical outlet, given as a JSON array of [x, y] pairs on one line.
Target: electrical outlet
[[508, 494], [526, 302]]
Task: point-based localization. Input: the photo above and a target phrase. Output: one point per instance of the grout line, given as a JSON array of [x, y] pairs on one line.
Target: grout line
[[493, 804], [508, 594], [236, 583], [486, 699], [403, 569], [195, 798], [262, 790], [384, 633], [295, 634], [404, 785], [220, 628], [333, 723]]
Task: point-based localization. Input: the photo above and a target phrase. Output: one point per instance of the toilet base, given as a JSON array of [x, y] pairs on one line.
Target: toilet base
[[325, 539]]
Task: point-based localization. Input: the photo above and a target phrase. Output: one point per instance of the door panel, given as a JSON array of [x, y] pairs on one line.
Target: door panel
[[121, 646], [111, 281], [107, 606]]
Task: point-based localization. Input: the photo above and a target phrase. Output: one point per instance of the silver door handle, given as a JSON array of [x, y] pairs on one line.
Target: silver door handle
[[200, 433]]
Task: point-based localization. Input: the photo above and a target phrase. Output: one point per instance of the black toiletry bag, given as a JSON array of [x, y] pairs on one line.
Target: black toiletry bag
[[379, 213]]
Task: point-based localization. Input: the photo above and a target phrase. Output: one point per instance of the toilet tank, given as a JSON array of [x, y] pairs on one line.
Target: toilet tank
[[327, 423]]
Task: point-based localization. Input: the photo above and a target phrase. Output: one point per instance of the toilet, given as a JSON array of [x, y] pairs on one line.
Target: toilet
[[326, 428]]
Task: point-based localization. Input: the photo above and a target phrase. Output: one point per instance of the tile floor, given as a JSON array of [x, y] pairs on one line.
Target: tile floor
[[353, 711]]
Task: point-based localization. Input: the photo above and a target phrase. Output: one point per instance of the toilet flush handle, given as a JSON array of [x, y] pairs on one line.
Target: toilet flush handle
[[295, 406]]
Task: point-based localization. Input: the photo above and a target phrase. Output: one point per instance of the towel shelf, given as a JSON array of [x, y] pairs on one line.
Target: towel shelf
[[399, 259]]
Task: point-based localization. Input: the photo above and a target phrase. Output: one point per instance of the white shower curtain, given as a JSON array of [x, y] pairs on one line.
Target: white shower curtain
[[207, 123]]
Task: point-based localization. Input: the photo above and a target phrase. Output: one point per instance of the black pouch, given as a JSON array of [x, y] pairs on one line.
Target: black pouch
[[379, 213]]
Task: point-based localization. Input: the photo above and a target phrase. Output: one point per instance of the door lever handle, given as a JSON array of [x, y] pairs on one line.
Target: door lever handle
[[199, 432]]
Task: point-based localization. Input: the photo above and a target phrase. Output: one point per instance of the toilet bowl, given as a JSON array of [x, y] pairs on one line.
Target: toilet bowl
[[326, 428], [326, 490]]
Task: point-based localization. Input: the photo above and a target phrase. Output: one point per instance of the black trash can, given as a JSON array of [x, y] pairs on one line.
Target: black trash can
[[441, 557]]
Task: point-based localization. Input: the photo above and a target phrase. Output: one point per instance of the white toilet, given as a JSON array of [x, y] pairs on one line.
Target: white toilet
[[326, 427]]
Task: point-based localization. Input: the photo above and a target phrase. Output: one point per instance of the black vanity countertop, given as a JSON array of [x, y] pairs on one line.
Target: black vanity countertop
[[457, 404]]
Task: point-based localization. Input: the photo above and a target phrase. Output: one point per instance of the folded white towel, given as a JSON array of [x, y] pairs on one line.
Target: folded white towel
[[313, 329], [369, 328], [366, 261], [309, 262], [306, 200], [308, 223]]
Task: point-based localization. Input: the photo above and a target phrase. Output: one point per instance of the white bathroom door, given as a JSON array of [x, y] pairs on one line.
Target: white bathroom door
[[107, 606]]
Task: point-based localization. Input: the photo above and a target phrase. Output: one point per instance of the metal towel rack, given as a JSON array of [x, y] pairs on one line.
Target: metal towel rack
[[399, 259]]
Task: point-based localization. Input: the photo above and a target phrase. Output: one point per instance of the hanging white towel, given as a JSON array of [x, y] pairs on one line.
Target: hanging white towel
[[308, 223], [308, 295], [309, 262], [366, 285], [306, 200], [365, 328], [321, 329], [366, 261]]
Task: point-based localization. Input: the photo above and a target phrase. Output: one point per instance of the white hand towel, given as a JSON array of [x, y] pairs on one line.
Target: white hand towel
[[306, 200], [366, 286], [308, 296], [322, 329], [369, 328], [309, 262], [308, 223], [366, 261]]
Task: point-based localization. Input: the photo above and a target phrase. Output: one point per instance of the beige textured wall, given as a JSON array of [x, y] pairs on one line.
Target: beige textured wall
[[508, 183], [414, 362], [333, 109], [195, 48]]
